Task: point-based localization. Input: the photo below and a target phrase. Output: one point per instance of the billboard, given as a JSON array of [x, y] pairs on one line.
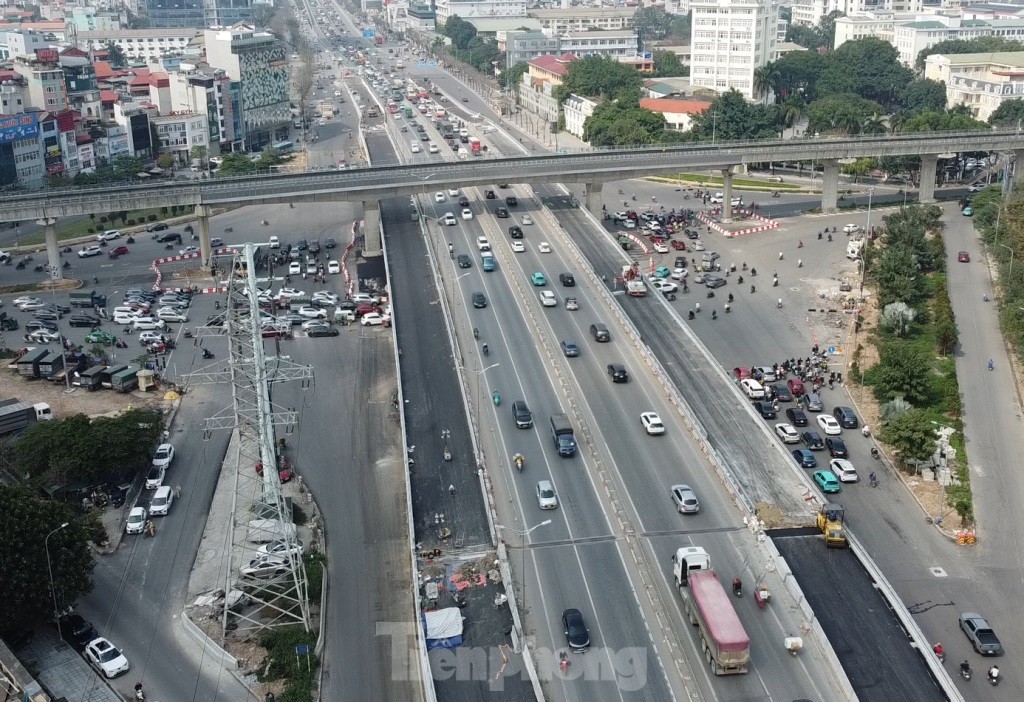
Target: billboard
[[18, 127]]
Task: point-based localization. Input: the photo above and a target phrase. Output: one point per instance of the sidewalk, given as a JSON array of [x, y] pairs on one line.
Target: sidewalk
[[63, 672]]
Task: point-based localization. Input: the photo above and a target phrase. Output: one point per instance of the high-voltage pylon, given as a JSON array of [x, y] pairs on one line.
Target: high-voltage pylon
[[265, 588]]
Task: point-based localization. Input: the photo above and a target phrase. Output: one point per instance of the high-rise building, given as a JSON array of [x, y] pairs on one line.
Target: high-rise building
[[258, 62], [730, 39], [196, 13]]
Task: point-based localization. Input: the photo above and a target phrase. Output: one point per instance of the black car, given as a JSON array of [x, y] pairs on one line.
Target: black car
[[347, 305], [424, 137], [511, 201], [812, 440], [464, 261], [302, 245], [618, 373], [169, 237], [796, 417], [846, 417], [501, 213], [61, 309], [463, 201], [765, 409], [292, 319], [782, 393], [83, 320], [479, 300], [576, 634], [322, 330], [489, 194], [330, 243], [521, 413], [836, 447], [567, 279], [314, 247], [37, 324], [804, 458], [692, 234], [76, 630], [680, 262], [515, 231], [156, 227]]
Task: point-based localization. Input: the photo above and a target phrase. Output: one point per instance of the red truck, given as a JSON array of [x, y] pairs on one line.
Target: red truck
[[709, 608]]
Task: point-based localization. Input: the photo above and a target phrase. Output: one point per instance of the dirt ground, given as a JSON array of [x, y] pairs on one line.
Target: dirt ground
[[79, 401]]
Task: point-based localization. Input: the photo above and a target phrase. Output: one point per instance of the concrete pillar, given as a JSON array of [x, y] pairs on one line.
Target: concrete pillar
[[592, 195], [829, 186], [1018, 164], [371, 228], [53, 261], [727, 195], [926, 191], [203, 213]]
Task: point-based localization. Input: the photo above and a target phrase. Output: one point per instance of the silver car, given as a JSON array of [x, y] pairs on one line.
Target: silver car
[[685, 499], [546, 497]]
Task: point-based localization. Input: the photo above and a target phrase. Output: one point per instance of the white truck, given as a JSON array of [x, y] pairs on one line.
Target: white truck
[[725, 642], [853, 249], [632, 280]]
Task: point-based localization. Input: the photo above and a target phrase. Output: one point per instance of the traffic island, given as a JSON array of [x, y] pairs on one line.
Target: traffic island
[[745, 221]]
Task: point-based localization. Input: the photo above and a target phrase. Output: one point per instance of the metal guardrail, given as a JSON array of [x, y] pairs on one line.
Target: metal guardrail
[[590, 166]]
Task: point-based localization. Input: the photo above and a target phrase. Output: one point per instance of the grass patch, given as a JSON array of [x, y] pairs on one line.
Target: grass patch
[[81, 227], [298, 672], [316, 571], [701, 179]]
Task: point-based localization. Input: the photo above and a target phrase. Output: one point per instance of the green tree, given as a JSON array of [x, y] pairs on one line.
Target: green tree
[[924, 94], [262, 15], [125, 167], [600, 76], [903, 370], [236, 164], [201, 154], [875, 63], [842, 113], [513, 77], [622, 124], [651, 23], [1009, 114], [767, 79], [822, 35], [799, 72], [898, 276], [25, 522], [912, 435], [115, 55], [732, 117], [931, 121], [979, 45], [668, 65], [165, 160], [459, 31], [679, 26]]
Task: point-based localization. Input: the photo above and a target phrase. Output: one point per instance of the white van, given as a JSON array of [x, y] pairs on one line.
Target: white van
[[162, 500]]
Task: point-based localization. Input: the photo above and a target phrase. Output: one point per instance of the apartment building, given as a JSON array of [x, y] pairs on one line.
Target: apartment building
[[21, 150], [581, 19], [178, 133], [23, 42], [980, 81], [44, 80], [729, 40], [914, 37], [469, 9], [144, 45], [811, 12], [543, 75], [871, 24]]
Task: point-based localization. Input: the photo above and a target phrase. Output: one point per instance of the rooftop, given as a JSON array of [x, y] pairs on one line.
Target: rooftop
[[559, 65], [1004, 58], [674, 106], [585, 12]]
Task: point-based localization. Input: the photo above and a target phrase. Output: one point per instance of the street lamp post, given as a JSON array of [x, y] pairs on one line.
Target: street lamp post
[[53, 587], [867, 225], [1009, 273], [522, 535]]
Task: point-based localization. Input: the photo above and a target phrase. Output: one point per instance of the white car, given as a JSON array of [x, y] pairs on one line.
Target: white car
[[108, 235], [148, 337], [288, 293], [275, 243], [147, 324], [43, 336], [661, 247], [679, 274], [439, 196], [829, 425], [432, 148], [843, 470], [280, 548], [294, 268], [467, 213], [312, 313], [89, 251], [314, 323], [787, 433], [266, 566], [851, 228], [373, 319], [527, 219], [546, 497], [652, 423], [125, 317], [518, 247], [311, 268], [716, 199], [333, 267], [547, 299], [163, 456], [449, 219], [136, 521], [26, 300], [752, 388], [453, 192], [544, 247], [169, 314], [629, 224], [685, 499], [105, 658], [188, 250], [326, 298], [155, 478], [665, 286], [416, 148], [697, 245], [483, 244]]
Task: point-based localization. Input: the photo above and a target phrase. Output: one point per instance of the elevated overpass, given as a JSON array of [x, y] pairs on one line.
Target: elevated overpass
[[593, 168]]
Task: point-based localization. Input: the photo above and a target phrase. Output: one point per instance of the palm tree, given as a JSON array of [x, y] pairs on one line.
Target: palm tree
[[766, 80], [897, 120], [875, 124], [847, 122]]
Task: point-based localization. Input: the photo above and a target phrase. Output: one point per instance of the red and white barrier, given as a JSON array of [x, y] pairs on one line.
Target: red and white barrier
[[155, 267], [767, 224]]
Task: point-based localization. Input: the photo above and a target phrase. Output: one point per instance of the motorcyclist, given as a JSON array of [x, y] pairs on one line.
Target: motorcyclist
[[518, 460], [737, 586], [873, 478], [993, 673], [939, 651], [965, 668], [486, 349], [991, 364]]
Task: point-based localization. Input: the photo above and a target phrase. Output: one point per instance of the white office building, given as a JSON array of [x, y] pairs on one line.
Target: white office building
[[811, 12], [143, 45], [443, 9], [729, 40], [912, 38], [982, 82], [582, 19]]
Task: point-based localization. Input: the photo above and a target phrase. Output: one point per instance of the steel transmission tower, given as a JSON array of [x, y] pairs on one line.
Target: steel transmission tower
[[274, 583]]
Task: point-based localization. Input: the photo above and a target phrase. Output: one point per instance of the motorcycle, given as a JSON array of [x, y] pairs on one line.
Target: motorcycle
[[775, 282], [67, 264], [778, 304], [21, 265], [130, 240], [169, 246], [991, 364], [519, 461], [95, 280], [873, 479], [737, 587], [39, 268], [121, 344], [714, 314], [476, 333], [775, 193], [496, 396], [486, 349], [66, 249], [264, 222], [207, 353], [965, 670], [228, 230], [139, 694], [993, 676]]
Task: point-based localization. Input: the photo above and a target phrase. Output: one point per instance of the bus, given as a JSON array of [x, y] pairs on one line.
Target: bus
[[407, 110], [283, 147], [411, 92], [397, 95]]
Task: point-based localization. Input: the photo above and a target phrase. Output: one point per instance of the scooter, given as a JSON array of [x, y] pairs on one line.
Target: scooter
[[993, 676], [207, 353], [139, 694], [519, 461], [496, 396], [737, 587], [965, 670]]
